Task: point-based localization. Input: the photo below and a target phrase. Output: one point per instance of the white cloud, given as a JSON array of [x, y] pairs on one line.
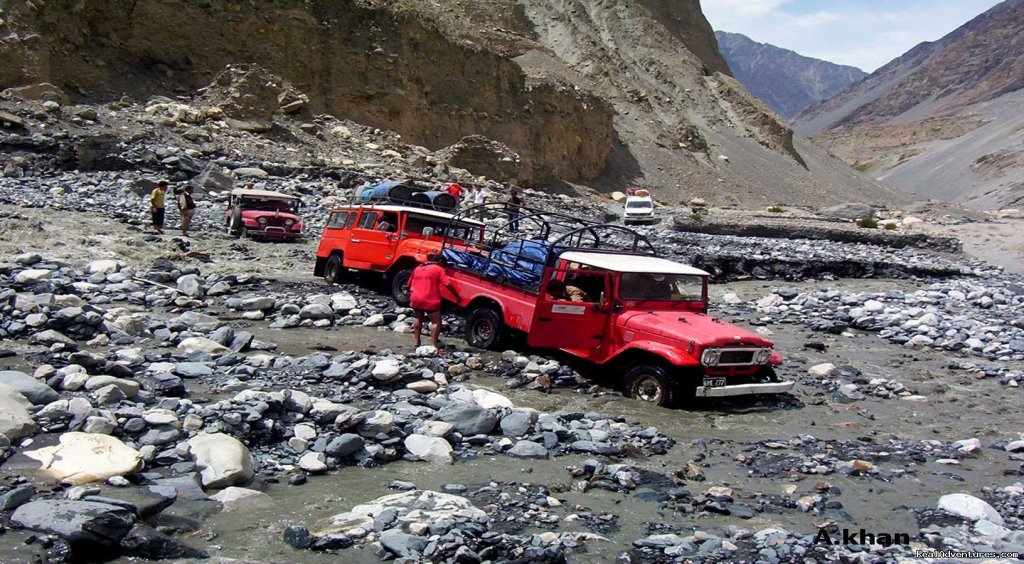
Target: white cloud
[[812, 20]]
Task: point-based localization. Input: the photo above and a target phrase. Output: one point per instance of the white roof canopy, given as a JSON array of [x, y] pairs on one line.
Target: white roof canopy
[[247, 193], [630, 263]]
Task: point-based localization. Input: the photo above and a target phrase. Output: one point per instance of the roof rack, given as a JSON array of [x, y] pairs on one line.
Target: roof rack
[[530, 239]]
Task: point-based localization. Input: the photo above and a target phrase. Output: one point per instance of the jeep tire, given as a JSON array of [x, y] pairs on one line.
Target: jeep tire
[[400, 286], [485, 329], [333, 270], [650, 383]]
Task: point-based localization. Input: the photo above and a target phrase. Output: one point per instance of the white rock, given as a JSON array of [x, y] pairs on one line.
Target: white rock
[[987, 528], [431, 449], [490, 400], [426, 350], [104, 266], [968, 446], [305, 431], [822, 370], [233, 498], [730, 299], [32, 275], [313, 462], [436, 429], [386, 369], [423, 386], [969, 507], [222, 460], [81, 458], [375, 320], [1015, 446], [202, 344]]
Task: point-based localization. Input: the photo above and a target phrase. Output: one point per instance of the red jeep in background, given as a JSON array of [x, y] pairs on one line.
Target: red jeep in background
[[388, 239], [263, 214], [642, 315]]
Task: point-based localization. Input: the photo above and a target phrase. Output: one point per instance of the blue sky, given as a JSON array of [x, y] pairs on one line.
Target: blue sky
[[863, 33]]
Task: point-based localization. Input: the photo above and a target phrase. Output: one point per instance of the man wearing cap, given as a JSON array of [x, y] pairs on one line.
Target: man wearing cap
[[156, 206]]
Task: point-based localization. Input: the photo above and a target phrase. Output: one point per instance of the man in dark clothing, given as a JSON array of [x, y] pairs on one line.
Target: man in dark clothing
[[514, 202], [425, 296]]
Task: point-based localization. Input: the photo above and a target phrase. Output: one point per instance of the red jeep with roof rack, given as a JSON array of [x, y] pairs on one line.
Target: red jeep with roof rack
[[389, 234], [640, 314]]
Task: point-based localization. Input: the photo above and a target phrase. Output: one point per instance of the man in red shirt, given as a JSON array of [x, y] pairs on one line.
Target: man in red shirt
[[455, 191], [425, 296]]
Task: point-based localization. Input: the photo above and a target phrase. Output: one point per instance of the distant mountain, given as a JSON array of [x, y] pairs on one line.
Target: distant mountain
[[944, 119], [788, 82]]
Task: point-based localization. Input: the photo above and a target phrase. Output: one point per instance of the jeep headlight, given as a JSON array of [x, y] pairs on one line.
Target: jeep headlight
[[288, 222], [710, 357], [762, 356], [262, 221]]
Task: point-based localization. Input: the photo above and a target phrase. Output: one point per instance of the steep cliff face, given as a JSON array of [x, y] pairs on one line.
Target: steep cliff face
[[787, 81], [353, 59], [613, 94]]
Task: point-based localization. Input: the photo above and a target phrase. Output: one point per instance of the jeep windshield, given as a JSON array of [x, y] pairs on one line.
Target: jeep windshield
[[661, 287], [259, 204], [638, 205]]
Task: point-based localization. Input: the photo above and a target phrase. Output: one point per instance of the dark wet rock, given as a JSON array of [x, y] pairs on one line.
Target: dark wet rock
[[402, 544], [593, 447], [146, 542], [345, 445], [297, 536], [16, 497], [79, 522]]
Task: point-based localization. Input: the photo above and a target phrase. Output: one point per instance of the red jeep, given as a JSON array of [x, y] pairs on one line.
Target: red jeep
[[626, 308], [263, 214], [389, 239]]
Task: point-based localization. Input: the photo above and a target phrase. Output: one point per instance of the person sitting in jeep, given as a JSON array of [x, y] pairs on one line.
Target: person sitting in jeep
[[560, 291]]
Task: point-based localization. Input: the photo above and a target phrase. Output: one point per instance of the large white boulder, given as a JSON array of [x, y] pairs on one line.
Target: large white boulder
[[15, 420], [222, 459], [969, 507], [81, 458], [431, 449], [104, 266], [490, 400]]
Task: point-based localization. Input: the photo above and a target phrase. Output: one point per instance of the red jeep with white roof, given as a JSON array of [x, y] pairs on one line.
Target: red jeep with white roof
[[389, 239], [642, 315], [263, 214]]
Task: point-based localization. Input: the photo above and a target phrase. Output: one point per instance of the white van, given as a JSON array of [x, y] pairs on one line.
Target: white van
[[639, 209]]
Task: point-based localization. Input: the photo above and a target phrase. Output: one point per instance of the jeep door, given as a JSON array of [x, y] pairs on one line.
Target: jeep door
[[561, 323], [374, 238]]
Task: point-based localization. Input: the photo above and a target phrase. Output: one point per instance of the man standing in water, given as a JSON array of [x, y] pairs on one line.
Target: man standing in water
[[425, 296]]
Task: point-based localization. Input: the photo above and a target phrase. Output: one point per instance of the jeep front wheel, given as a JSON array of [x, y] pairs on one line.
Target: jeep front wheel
[[651, 384], [235, 226], [485, 329], [400, 286], [333, 269]]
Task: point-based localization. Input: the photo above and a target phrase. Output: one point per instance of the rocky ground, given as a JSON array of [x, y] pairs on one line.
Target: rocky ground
[[165, 397]]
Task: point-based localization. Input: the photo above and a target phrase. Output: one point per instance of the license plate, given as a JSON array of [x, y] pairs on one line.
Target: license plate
[[714, 382]]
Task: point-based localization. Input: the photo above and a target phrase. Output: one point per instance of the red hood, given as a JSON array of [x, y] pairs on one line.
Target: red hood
[[256, 214], [686, 326]]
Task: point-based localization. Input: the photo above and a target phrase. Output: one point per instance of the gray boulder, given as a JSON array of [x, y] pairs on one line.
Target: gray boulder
[[15, 420], [468, 419], [345, 445], [34, 390], [78, 522], [518, 422], [528, 449]]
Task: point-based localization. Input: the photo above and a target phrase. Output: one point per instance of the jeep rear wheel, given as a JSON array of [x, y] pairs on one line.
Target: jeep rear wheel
[[485, 329], [400, 286], [651, 384], [333, 269]]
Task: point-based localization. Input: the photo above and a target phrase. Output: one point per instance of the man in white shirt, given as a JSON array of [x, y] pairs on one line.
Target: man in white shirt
[[480, 198]]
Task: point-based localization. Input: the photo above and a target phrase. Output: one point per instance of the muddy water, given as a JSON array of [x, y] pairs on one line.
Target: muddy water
[[959, 407]]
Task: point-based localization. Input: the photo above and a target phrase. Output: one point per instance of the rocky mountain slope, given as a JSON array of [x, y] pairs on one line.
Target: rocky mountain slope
[[943, 119], [605, 94], [787, 81]]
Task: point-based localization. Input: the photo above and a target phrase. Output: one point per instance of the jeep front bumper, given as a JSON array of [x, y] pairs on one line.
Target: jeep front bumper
[[744, 389]]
